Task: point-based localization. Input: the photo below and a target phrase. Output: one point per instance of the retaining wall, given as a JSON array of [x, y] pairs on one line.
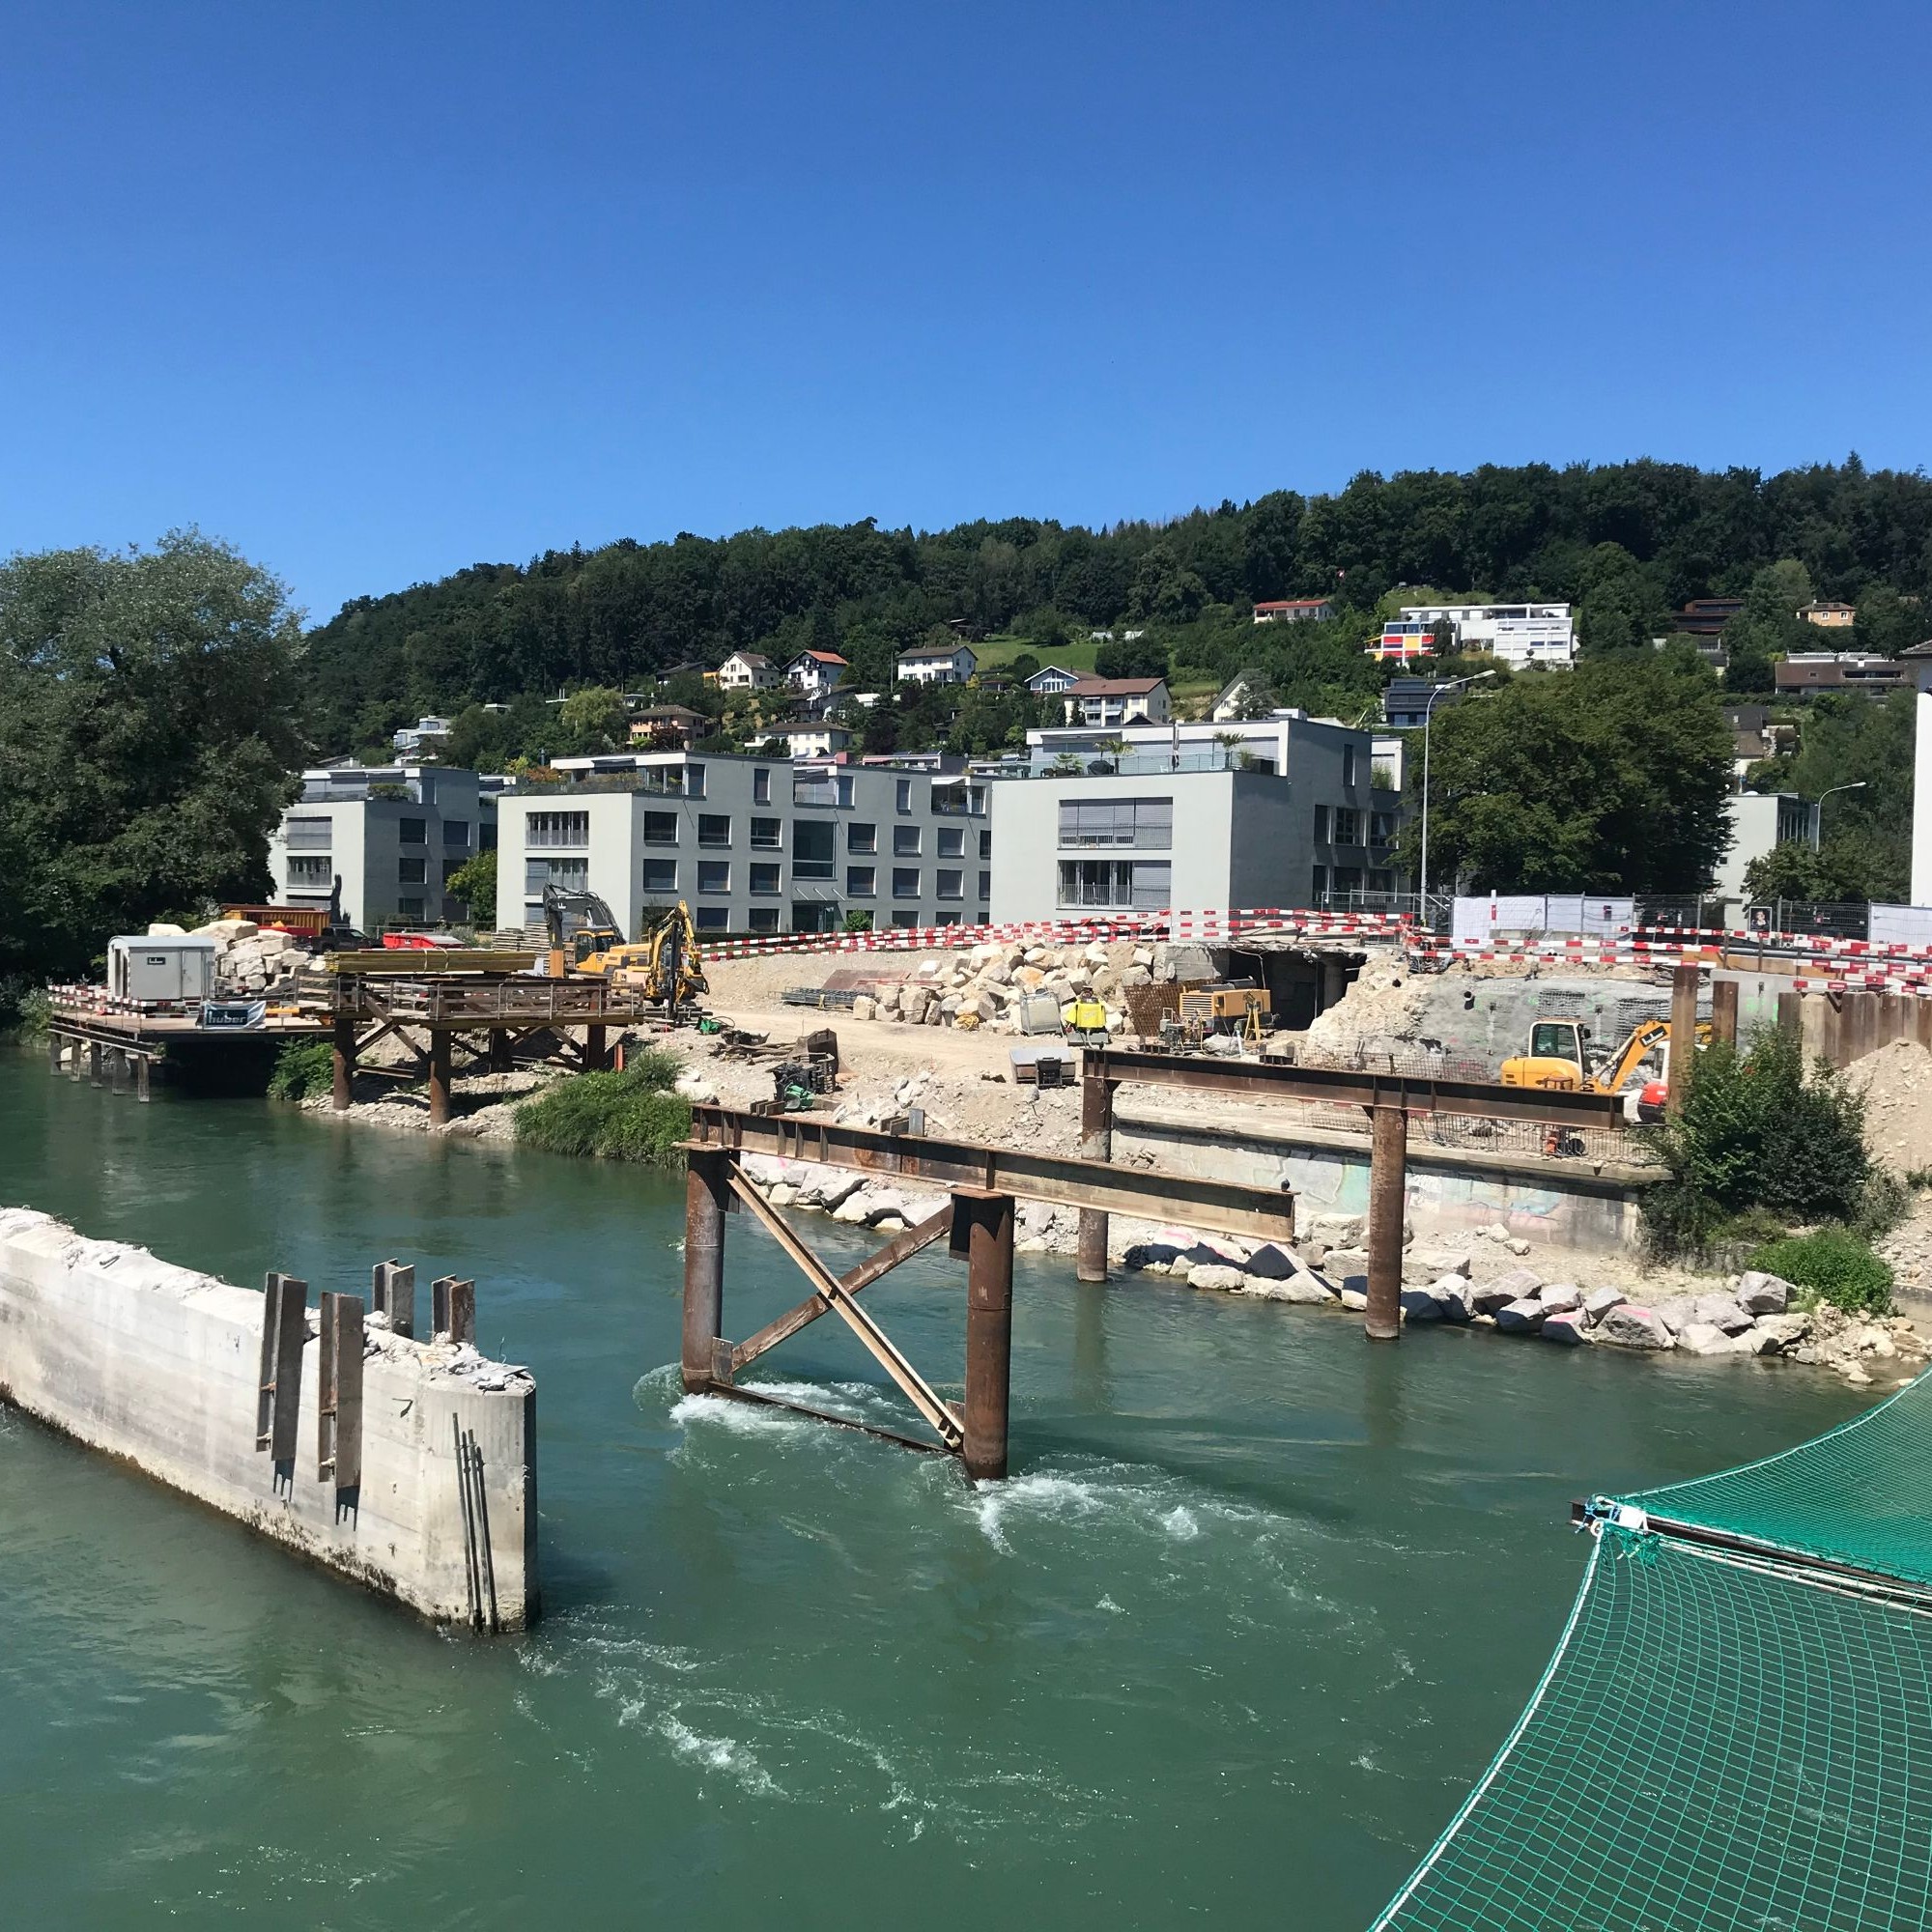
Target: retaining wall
[[160, 1366]]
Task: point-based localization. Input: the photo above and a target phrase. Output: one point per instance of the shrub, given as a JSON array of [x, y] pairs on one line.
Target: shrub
[[627, 1115], [303, 1068], [1836, 1266]]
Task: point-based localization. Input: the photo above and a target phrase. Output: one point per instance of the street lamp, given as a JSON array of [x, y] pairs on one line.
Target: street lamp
[[1818, 810], [1428, 712]]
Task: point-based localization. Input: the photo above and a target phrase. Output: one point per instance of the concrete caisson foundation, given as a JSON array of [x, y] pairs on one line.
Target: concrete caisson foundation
[[160, 1366]]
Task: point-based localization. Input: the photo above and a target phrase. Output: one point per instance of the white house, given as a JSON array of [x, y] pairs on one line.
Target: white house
[[1759, 823], [1234, 697], [937, 664], [815, 674], [425, 735], [812, 737], [1295, 611], [1050, 680], [747, 670], [1116, 700], [1513, 634]]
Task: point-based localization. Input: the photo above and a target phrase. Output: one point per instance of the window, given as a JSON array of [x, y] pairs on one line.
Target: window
[[693, 781], [862, 882], [762, 784], [1347, 767], [952, 841], [308, 834], [767, 835], [764, 919], [714, 875], [309, 871], [1348, 825], [450, 868], [412, 872], [902, 796], [951, 885], [456, 831], [661, 876], [1320, 825], [1147, 823], [659, 828], [985, 844], [905, 841], [814, 850], [1320, 881], [1144, 885], [765, 878], [905, 882], [486, 836], [1381, 829], [844, 785], [714, 919], [571, 875], [558, 828], [714, 828], [409, 908], [862, 837], [946, 919], [985, 886], [905, 915], [412, 831]]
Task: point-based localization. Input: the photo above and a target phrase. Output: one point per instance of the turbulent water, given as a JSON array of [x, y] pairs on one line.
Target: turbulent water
[[1258, 1604]]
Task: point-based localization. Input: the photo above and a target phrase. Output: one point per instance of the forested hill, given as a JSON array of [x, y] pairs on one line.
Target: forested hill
[[1628, 542]]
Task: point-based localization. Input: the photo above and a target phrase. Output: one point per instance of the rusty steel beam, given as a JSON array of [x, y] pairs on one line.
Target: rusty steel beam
[[1415, 1093], [1225, 1206], [1096, 1143], [983, 1227], [902, 1247], [1388, 1194]]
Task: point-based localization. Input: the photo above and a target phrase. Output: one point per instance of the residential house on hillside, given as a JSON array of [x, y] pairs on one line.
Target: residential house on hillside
[[815, 674], [937, 664], [1050, 680], [1102, 701], [810, 737], [1829, 616], [1706, 616], [1237, 695], [679, 720], [422, 738], [1295, 611], [1410, 702], [1522, 635], [747, 670], [1839, 670]]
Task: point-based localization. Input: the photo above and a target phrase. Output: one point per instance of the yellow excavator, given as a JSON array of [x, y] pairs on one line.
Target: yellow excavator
[[663, 964], [1557, 1059]]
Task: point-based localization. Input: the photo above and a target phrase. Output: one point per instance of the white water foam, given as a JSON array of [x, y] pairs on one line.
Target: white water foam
[[721, 1754]]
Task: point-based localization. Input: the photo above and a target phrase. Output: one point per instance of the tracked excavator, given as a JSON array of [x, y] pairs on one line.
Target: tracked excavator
[[1559, 1060], [663, 964]]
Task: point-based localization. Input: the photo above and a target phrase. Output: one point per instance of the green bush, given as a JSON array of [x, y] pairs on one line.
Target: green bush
[[303, 1068], [627, 1115], [1835, 1265]]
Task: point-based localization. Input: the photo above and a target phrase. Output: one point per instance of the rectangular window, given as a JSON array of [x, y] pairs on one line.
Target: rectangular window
[[862, 882], [902, 796], [1381, 829], [1321, 883], [659, 828], [905, 841], [951, 885], [714, 875], [412, 832], [844, 785], [1143, 885], [762, 784], [765, 878], [862, 837], [946, 919], [905, 916], [570, 875], [558, 828], [450, 868], [767, 835], [985, 886], [1348, 825], [409, 908], [714, 828], [985, 844], [308, 834], [661, 876], [952, 841], [814, 849], [412, 872], [905, 882], [764, 919], [1146, 823], [305, 871], [486, 836], [1347, 767], [1320, 825], [713, 919], [693, 781], [456, 832]]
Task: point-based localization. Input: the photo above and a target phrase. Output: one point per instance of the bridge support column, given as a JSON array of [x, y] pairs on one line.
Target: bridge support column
[[1388, 1188], [707, 1188], [94, 1062], [117, 1070], [1683, 1035], [1096, 1143], [56, 1046], [594, 1054], [986, 1223], [142, 1071], [342, 1063], [499, 1050], [438, 1076]]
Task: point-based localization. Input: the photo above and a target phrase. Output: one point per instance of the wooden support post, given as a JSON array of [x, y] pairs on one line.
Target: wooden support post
[[1791, 1014], [392, 1294], [339, 1385], [707, 1188], [94, 1062], [1096, 1143], [1388, 1191], [1723, 1011], [1683, 1035], [56, 1046], [143, 1071], [343, 1062], [453, 1310], [593, 1049], [279, 1398], [438, 1076], [984, 1225], [499, 1050]]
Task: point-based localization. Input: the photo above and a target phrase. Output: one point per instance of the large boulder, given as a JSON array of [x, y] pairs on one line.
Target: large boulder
[[1780, 1332], [1599, 1302], [1566, 1327], [1706, 1338], [1559, 1297], [1521, 1318], [1419, 1305], [1452, 1291], [1761, 1294], [1629, 1326], [1270, 1263], [1301, 1287], [1491, 1298], [1722, 1312], [1208, 1274]]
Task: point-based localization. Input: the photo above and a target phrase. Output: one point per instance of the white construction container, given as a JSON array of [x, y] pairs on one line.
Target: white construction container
[[161, 969]]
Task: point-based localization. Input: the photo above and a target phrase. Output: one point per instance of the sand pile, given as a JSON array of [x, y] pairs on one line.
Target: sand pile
[[1896, 1082]]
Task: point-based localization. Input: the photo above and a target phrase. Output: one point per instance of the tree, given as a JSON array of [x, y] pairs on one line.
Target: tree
[[146, 738], [1136, 657], [1611, 779], [474, 884], [1886, 624], [590, 721]]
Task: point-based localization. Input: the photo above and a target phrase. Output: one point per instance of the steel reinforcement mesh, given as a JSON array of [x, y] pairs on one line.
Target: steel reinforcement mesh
[[1860, 1495], [1716, 1743]]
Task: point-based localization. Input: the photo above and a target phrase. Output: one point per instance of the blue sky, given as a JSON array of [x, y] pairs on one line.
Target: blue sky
[[375, 291]]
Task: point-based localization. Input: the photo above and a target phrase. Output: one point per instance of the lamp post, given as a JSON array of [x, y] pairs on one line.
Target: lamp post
[[1428, 712], [1818, 810]]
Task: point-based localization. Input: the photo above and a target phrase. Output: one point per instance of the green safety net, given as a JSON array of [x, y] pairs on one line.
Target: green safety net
[[1726, 1736]]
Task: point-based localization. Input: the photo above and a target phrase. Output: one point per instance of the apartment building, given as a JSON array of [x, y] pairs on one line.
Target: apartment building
[[815, 674], [1839, 670], [938, 663], [1759, 822], [752, 844], [1096, 702], [392, 834], [1513, 634]]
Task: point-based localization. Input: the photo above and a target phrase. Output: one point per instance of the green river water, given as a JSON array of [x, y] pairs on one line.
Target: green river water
[[1255, 1609]]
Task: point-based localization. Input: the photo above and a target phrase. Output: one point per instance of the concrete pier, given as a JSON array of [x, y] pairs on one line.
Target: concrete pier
[[162, 1367]]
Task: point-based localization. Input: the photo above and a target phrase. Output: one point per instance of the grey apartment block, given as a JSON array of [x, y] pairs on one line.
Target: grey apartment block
[[391, 853], [752, 845], [1145, 841]]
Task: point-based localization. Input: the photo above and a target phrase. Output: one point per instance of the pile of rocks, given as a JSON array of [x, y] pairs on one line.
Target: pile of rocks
[[1263, 1270], [985, 986], [251, 961]]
